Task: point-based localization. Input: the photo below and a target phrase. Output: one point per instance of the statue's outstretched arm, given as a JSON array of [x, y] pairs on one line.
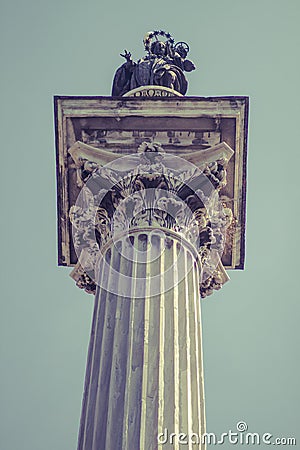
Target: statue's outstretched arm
[[121, 82]]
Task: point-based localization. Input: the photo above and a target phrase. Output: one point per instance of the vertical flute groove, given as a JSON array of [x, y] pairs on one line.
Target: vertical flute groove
[[130, 346], [120, 349], [161, 402], [135, 395], [197, 353], [90, 364], [188, 347], [100, 419], [146, 349], [98, 337], [199, 332], [176, 348]]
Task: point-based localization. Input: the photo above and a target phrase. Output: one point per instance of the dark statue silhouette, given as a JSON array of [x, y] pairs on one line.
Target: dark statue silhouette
[[164, 65]]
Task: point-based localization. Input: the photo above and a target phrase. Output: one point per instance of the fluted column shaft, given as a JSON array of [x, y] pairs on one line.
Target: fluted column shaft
[[144, 373]]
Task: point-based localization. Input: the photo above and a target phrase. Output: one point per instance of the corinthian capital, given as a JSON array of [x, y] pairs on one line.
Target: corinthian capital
[[151, 189]]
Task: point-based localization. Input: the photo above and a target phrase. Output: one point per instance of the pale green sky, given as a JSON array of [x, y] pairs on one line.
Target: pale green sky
[[251, 332]]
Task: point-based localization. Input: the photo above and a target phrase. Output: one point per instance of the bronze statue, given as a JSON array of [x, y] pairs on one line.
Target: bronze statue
[[164, 65]]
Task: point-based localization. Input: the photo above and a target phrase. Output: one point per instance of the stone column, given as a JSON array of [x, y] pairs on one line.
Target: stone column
[[149, 231], [144, 374]]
